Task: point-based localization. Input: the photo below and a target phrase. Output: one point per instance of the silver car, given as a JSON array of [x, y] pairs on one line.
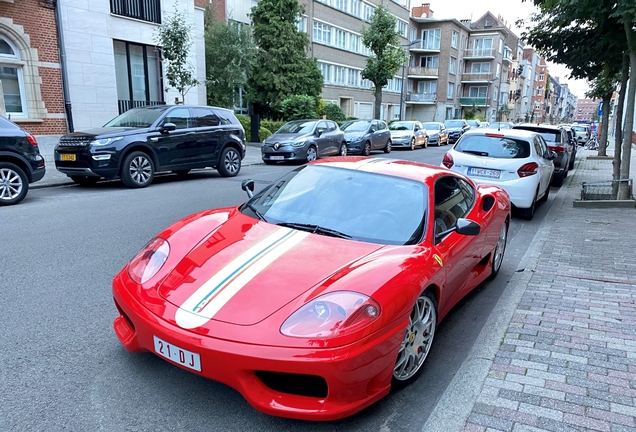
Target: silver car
[[408, 134]]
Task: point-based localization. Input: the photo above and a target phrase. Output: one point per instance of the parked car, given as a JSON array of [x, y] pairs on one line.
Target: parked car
[[322, 291], [557, 140], [20, 162], [517, 161], [304, 141], [142, 141], [474, 124], [362, 136], [437, 133], [573, 143], [500, 125], [410, 134], [582, 133], [456, 129], [484, 125]]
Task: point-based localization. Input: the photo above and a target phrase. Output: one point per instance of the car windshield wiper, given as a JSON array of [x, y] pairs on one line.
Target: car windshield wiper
[[256, 212], [475, 152], [316, 229]]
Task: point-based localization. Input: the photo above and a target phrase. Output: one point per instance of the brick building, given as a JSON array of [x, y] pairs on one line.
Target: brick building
[[30, 74], [586, 109]]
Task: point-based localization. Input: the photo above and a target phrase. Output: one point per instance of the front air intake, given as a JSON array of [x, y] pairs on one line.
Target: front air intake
[[296, 384]]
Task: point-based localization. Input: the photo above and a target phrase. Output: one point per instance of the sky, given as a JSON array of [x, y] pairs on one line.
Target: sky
[[510, 11]]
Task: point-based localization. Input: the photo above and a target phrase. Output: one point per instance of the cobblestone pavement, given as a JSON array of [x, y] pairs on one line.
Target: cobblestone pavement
[[567, 361]]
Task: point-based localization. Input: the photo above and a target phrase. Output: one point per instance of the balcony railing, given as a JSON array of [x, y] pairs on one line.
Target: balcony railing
[[421, 97], [479, 53], [425, 47], [145, 10], [478, 77], [476, 101], [507, 56], [125, 105], [423, 71]]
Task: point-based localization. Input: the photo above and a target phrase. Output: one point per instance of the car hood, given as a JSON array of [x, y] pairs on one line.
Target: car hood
[[246, 270], [107, 132], [288, 137], [454, 129], [400, 133], [432, 133]]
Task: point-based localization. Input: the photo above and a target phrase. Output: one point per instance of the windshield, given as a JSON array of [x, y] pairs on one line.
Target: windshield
[[137, 117], [338, 199], [431, 126], [355, 126], [472, 122], [548, 135], [454, 124], [401, 126], [500, 126], [494, 147], [297, 127], [579, 128]]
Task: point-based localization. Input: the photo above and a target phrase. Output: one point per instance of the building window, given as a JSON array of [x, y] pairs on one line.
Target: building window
[[480, 68], [450, 92], [501, 46], [477, 92], [495, 93], [145, 10], [413, 34], [449, 113], [325, 69], [454, 39], [402, 28], [368, 12], [138, 75], [503, 99], [540, 91], [341, 39], [498, 71], [301, 24], [430, 61], [322, 33], [452, 66], [427, 87], [356, 8], [11, 77], [541, 76], [431, 39], [482, 47]]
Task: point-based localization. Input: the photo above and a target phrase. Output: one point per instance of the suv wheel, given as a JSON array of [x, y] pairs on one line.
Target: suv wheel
[[229, 163], [138, 170], [14, 184]]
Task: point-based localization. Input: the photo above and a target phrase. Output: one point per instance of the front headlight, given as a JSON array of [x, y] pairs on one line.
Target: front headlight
[[149, 260], [332, 315], [299, 142], [104, 141]]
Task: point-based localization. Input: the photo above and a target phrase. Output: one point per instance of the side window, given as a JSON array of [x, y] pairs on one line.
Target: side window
[[374, 126], [450, 203], [332, 126], [383, 125], [180, 117], [544, 146], [537, 147], [205, 117], [322, 126], [469, 193]]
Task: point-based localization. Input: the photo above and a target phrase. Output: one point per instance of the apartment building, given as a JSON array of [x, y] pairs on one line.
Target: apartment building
[[518, 95], [586, 109]]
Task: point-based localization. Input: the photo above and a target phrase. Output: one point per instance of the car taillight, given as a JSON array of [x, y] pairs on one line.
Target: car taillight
[[558, 149], [528, 169], [32, 140], [448, 161], [149, 260]]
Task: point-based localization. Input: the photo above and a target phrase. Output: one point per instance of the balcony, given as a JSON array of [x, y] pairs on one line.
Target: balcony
[[425, 48], [421, 98], [423, 72], [144, 10], [125, 105], [476, 101], [507, 56], [479, 53], [478, 77]]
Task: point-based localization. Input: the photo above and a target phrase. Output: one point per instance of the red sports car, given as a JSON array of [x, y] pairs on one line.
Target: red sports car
[[321, 291]]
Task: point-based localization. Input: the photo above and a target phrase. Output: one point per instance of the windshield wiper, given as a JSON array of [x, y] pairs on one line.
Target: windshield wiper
[[316, 229], [256, 212], [475, 152]]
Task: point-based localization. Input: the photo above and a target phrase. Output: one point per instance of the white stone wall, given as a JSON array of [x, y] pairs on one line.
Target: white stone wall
[[239, 10], [89, 29]]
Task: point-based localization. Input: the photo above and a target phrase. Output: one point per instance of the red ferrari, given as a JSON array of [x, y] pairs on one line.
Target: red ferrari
[[321, 291]]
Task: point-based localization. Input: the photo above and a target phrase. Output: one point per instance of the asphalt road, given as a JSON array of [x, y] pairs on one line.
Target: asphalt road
[[61, 365]]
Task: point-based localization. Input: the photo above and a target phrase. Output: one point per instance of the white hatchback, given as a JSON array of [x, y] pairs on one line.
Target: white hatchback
[[518, 161]]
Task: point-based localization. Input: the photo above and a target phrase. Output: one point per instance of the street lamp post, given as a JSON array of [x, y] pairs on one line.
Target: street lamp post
[[403, 69]]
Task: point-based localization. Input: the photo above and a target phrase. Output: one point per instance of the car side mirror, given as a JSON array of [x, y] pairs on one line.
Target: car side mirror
[[248, 186], [552, 155], [462, 226], [319, 132], [416, 129], [168, 127]]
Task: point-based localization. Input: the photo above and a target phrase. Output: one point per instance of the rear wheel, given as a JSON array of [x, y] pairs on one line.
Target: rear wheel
[[500, 249], [343, 149], [14, 184], [544, 198], [387, 147], [425, 143], [84, 180], [137, 170], [557, 180], [528, 213], [229, 162]]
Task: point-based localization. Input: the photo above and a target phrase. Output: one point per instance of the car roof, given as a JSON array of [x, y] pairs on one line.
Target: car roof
[[507, 133], [550, 128]]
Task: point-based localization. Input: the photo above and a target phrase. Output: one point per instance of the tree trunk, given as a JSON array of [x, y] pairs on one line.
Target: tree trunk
[[623, 190], [602, 146], [618, 128], [378, 102]]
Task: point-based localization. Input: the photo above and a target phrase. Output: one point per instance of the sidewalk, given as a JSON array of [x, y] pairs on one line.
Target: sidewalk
[[53, 177], [559, 352]]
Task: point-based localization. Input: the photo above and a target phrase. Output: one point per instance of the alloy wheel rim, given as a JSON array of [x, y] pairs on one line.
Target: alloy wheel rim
[[413, 144], [343, 150], [417, 340], [388, 146], [232, 162], [311, 154], [501, 247], [140, 169], [10, 184]]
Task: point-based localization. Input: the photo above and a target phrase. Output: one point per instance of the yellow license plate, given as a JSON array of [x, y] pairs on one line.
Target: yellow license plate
[[68, 157]]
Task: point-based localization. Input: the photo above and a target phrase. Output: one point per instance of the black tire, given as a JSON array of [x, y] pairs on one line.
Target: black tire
[[343, 149], [84, 180], [545, 196], [571, 164], [137, 170], [528, 213], [413, 143], [181, 173], [366, 150], [425, 143], [499, 251], [427, 299], [557, 180], [387, 147], [14, 184], [229, 162]]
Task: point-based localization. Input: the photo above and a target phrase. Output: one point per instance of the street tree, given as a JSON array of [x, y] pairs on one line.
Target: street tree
[[282, 68], [387, 56], [603, 87], [229, 58], [174, 38]]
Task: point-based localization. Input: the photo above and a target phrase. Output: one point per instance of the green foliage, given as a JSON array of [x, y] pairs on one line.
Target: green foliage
[[470, 113], [174, 38], [272, 125], [299, 107], [382, 38], [229, 56], [263, 133], [333, 112], [282, 68]]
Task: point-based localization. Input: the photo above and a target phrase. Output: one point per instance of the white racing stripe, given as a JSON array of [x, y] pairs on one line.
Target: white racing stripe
[[205, 302]]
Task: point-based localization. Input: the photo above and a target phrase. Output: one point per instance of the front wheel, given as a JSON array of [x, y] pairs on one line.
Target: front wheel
[[343, 149], [312, 154], [387, 147], [138, 170], [229, 162], [425, 143], [413, 143], [366, 150], [417, 341], [14, 184]]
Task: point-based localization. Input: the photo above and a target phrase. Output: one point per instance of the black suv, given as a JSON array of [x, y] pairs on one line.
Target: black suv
[[142, 141], [20, 162], [557, 139], [456, 128]]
